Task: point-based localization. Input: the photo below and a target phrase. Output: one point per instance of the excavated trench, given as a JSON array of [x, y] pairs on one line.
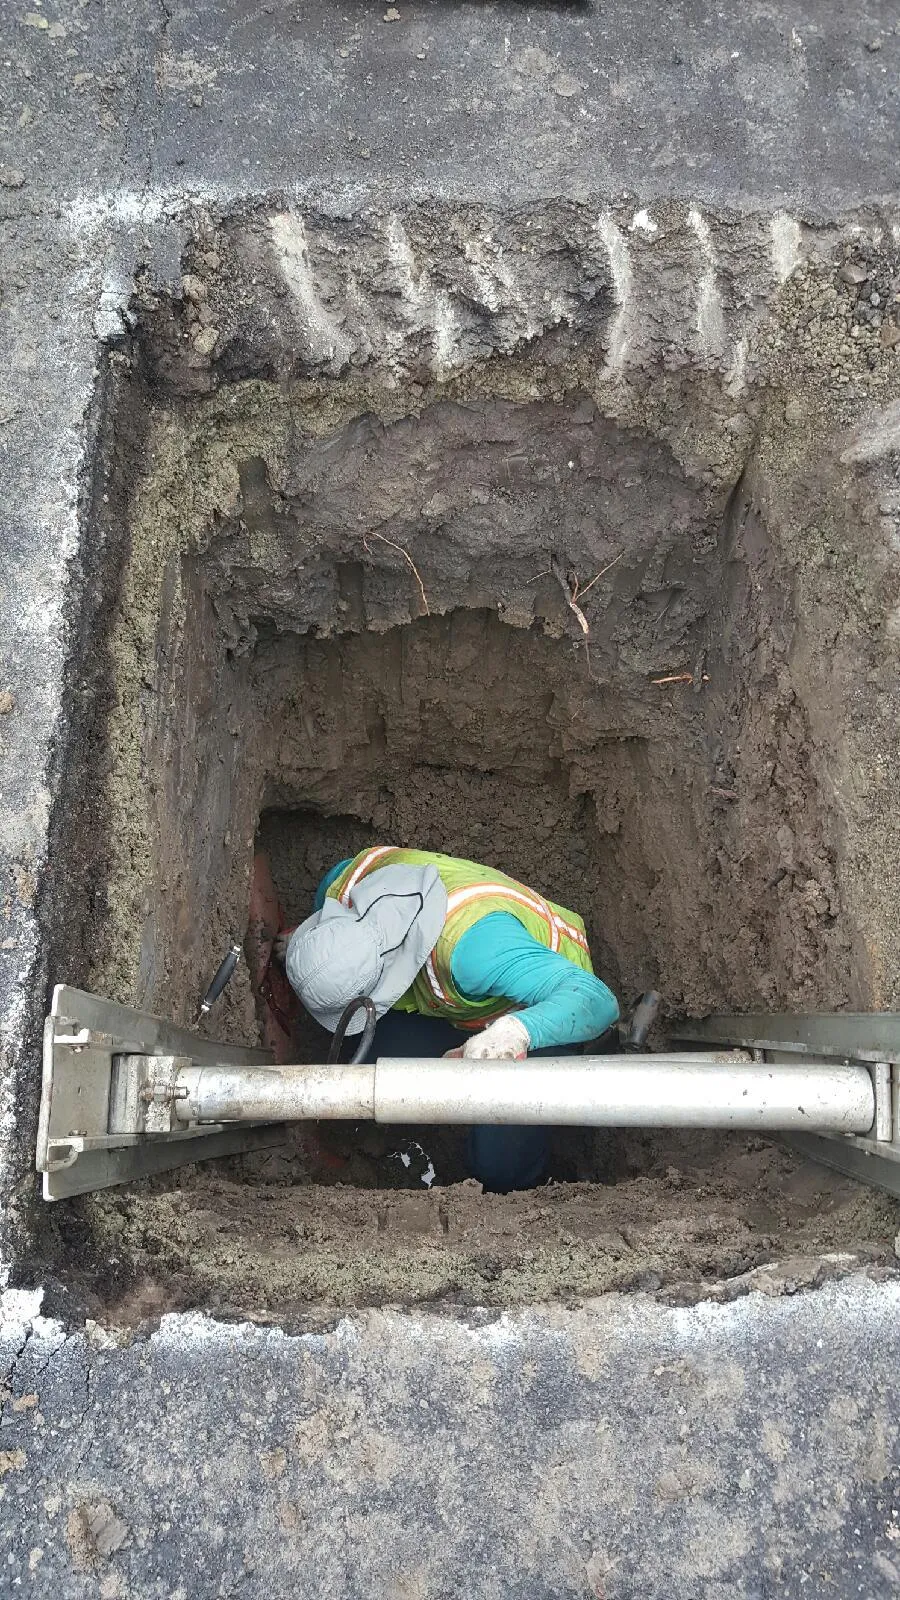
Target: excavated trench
[[595, 629]]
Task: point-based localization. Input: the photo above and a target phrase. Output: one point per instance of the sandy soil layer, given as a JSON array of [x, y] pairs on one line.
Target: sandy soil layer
[[687, 1215]]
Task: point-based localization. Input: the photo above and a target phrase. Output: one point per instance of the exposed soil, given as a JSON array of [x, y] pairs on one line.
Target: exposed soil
[[683, 1213], [622, 627]]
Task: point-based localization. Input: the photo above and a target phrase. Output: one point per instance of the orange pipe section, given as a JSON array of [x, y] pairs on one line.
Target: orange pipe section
[[277, 1005]]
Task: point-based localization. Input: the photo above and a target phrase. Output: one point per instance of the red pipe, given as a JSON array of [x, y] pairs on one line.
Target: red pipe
[[276, 1003]]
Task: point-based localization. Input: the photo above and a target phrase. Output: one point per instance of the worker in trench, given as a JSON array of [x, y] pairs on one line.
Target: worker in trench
[[459, 960]]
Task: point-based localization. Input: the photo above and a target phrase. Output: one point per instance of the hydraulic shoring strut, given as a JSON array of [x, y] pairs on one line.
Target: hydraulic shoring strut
[[628, 1091], [125, 1093]]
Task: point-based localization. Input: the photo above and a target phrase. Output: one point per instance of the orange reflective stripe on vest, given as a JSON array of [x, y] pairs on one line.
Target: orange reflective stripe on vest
[[480, 891], [434, 981], [556, 925], [472, 891], [363, 865]]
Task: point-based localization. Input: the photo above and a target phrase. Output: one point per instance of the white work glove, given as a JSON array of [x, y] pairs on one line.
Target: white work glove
[[507, 1039]]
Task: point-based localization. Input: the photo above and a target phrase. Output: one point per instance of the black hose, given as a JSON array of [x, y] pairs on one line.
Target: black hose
[[368, 1033], [223, 975]]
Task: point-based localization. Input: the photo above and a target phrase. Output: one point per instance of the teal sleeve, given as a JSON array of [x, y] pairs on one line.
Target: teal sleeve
[[559, 1002], [327, 881]]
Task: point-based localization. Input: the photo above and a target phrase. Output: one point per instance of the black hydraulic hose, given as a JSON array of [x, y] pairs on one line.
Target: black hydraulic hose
[[223, 974], [363, 1002]]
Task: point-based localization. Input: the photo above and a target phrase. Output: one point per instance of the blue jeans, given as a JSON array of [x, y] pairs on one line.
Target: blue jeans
[[501, 1158]]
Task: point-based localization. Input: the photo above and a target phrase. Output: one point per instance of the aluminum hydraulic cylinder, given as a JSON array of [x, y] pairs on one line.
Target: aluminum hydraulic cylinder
[[632, 1091]]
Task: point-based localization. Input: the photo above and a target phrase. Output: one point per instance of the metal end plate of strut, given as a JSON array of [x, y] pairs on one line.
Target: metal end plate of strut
[[115, 1080], [849, 1035], [78, 1147], [872, 1037]]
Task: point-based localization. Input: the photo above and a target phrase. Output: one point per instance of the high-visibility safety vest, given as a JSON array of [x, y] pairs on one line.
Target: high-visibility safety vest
[[472, 892]]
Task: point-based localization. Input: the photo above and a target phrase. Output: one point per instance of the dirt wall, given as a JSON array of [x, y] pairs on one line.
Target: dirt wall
[[562, 543], [441, 469]]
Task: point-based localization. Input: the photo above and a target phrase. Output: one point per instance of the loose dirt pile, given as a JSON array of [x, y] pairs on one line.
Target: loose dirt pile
[[685, 1214]]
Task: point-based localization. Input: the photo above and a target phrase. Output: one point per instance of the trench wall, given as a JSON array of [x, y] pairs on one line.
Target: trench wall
[[384, 461]]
